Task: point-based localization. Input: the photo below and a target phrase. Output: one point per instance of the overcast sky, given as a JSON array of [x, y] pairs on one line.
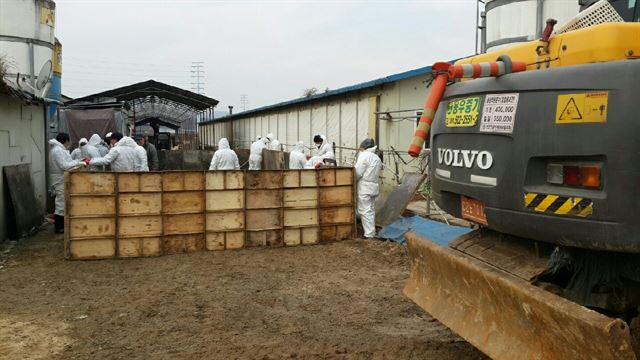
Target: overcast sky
[[269, 50]]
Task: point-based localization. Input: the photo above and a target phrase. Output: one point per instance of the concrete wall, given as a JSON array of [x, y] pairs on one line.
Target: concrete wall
[[22, 141], [345, 119]]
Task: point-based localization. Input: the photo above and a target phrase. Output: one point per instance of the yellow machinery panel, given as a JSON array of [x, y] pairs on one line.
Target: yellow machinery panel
[[599, 43]]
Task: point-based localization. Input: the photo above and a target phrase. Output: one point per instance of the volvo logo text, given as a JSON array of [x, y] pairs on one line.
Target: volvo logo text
[[465, 158]]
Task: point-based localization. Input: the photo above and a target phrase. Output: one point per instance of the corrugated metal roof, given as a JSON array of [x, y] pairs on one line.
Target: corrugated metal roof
[[347, 89]]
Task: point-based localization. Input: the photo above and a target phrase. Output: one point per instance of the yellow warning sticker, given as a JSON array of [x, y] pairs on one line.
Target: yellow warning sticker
[[463, 112], [582, 108]]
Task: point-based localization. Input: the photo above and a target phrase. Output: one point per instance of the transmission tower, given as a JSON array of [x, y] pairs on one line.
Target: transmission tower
[[244, 101], [197, 77]]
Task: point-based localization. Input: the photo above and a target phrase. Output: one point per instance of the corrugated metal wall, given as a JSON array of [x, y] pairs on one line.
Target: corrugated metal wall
[[344, 120]]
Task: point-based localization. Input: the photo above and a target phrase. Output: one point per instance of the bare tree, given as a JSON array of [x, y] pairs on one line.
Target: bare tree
[[309, 92]]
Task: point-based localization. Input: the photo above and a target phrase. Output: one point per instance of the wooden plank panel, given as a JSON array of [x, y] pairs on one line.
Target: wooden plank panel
[[336, 215], [215, 241], [263, 179], [328, 233], [214, 180], [92, 183], [150, 182], [262, 199], [234, 240], [151, 246], [291, 179], [301, 197], [234, 179], [308, 178], [183, 202], [194, 180], [140, 226], [225, 221], [336, 195], [184, 243], [172, 181], [263, 219], [344, 232], [336, 232], [92, 249], [271, 238], [225, 200], [92, 227], [310, 236], [344, 176], [140, 247], [327, 177], [292, 237], [139, 203], [128, 182], [92, 205], [183, 224], [301, 217]]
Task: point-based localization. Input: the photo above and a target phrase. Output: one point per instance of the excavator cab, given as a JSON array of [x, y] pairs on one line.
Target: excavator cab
[[546, 162]]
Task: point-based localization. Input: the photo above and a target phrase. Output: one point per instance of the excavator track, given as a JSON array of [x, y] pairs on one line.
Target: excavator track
[[500, 311]]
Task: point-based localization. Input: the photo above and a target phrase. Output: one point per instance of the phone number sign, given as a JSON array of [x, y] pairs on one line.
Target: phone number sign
[[499, 113]]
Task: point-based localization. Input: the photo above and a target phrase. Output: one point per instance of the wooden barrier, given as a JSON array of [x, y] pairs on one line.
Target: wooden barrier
[[124, 215]]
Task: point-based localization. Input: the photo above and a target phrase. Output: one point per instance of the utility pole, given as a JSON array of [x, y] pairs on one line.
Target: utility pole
[[197, 77], [244, 101]]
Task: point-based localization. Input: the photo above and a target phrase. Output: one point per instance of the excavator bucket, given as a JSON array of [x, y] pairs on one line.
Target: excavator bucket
[[503, 314]]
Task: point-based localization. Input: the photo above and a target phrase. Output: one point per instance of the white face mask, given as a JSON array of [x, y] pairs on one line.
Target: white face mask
[[318, 145]]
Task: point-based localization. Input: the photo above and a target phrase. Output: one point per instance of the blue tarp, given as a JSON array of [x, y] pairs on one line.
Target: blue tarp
[[438, 232]]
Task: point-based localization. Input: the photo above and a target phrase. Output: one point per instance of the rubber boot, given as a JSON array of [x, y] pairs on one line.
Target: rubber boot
[[58, 224]]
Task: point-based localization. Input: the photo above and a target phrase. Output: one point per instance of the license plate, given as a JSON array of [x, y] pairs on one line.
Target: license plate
[[473, 210]]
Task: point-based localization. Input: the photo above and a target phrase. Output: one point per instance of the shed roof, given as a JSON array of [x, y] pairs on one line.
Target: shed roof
[[152, 88], [347, 89]]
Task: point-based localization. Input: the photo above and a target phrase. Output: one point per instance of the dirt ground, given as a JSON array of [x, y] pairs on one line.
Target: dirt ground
[[336, 301]]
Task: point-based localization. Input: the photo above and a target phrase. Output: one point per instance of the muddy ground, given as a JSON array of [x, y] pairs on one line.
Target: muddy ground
[[341, 301]]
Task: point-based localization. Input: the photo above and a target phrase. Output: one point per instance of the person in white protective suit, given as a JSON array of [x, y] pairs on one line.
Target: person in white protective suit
[[272, 142], [255, 154], [224, 158], [142, 163], [91, 151], [122, 156], [297, 158], [368, 168], [323, 148], [315, 162], [76, 154], [60, 161]]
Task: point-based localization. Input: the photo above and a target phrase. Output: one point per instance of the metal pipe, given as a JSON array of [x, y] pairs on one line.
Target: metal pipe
[[435, 94], [476, 24], [483, 32]]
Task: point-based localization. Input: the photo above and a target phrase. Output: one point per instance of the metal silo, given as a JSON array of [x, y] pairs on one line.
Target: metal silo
[[510, 22], [27, 35]]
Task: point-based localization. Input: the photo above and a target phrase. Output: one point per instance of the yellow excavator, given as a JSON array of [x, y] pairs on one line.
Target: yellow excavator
[[538, 145]]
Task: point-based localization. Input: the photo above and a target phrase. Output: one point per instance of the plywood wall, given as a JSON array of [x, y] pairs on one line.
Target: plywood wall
[[124, 215]]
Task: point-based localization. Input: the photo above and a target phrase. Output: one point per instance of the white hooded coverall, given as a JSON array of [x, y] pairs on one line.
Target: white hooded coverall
[[368, 168], [325, 151], [142, 163], [255, 154], [77, 153], [224, 158], [59, 161], [122, 156], [272, 143], [91, 150], [297, 158]]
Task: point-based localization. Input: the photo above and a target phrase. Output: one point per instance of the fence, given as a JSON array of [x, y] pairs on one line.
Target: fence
[[123, 215]]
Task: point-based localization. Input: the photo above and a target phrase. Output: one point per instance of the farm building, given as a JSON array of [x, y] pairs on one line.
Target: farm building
[[386, 109]]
